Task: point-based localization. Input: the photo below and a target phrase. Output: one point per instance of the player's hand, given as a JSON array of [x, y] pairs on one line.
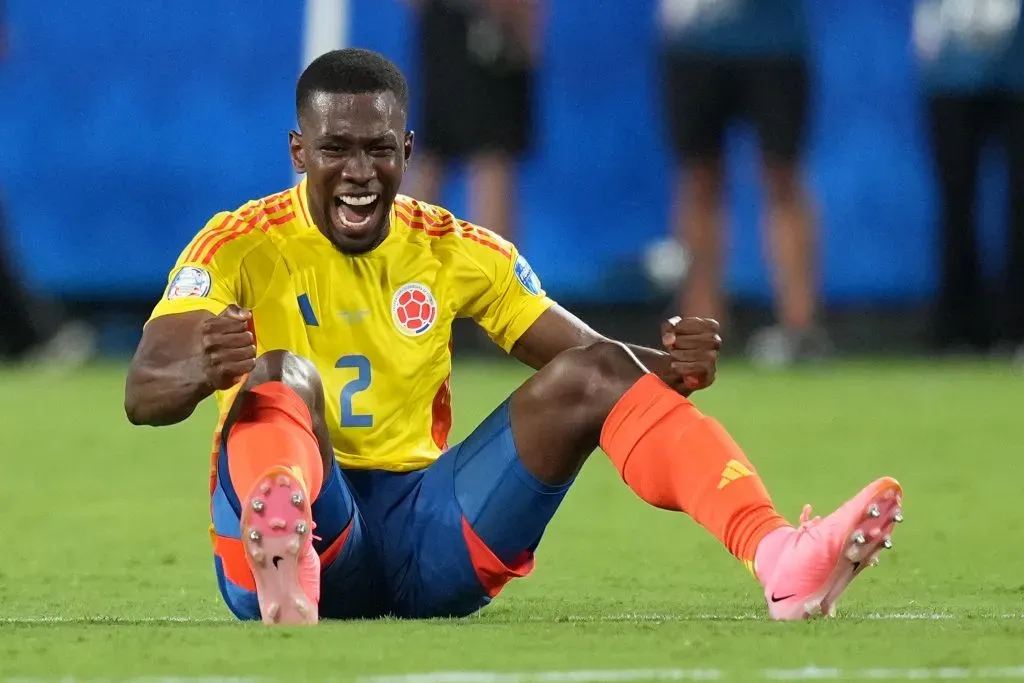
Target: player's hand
[[229, 347], [693, 344]]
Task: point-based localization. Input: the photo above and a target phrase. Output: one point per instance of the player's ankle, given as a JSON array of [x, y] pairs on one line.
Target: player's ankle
[[769, 550]]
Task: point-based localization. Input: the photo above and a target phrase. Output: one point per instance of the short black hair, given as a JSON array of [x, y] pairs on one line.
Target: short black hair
[[352, 71]]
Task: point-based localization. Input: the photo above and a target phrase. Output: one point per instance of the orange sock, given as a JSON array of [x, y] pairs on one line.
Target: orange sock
[[274, 428], [675, 458]]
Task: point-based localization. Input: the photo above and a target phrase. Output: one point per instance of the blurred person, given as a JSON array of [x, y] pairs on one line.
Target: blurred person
[[726, 61], [320, 317], [971, 56], [476, 66], [28, 333]]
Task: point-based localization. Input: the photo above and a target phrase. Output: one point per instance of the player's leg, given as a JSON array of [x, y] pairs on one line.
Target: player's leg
[[676, 458], [439, 120], [776, 100], [498, 134], [699, 104], [277, 476], [957, 139], [1013, 315]]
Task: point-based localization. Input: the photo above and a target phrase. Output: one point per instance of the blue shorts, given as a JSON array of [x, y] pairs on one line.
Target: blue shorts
[[437, 542]]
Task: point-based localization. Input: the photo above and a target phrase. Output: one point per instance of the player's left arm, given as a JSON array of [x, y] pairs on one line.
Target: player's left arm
[[687, 363], [505, 296]]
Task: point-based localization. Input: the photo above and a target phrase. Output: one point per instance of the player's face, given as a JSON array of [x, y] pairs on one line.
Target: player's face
[[353, 150]]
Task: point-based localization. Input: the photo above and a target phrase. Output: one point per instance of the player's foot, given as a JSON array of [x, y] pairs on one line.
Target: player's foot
[[277, 530], [777, 347], [807, 569]]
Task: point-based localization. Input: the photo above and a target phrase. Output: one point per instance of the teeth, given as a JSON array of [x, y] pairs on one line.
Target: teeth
[[364, 200]]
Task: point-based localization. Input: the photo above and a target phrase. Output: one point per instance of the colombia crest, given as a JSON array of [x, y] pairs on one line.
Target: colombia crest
[[413, 309]]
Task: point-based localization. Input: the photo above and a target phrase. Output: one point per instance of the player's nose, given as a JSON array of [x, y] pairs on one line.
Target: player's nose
[[358, 169]]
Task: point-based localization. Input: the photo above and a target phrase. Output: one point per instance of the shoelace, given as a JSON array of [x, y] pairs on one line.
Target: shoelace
[[806, 523]]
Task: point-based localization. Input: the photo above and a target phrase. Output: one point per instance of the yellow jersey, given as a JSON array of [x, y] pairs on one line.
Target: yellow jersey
[[376, 325]]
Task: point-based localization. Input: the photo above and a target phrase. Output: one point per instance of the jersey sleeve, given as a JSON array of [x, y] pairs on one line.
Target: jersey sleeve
[[204, 278], [509, 297]]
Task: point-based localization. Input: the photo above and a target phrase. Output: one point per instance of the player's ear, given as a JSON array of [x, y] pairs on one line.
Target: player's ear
[[409, 137], [295, 151]]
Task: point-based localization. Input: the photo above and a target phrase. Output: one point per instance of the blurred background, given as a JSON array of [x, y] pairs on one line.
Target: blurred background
[[824, 176]]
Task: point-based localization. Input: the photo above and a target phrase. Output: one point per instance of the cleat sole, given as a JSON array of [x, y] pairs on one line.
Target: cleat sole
[[274, 535]]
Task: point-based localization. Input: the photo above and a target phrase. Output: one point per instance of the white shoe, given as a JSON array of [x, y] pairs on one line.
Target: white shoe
[[73, 345]]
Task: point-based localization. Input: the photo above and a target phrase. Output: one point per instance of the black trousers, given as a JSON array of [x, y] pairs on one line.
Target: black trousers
[[968, 311], [21, 320]]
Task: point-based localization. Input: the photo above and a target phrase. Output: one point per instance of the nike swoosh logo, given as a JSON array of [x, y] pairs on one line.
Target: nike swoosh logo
[[277, 558], [784, 597]]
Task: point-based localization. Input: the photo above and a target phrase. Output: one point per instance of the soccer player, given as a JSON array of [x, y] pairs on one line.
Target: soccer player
[[320, 318], [743, 60]]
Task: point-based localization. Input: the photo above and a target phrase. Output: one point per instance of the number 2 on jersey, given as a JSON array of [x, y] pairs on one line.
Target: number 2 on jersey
[[353, 387]]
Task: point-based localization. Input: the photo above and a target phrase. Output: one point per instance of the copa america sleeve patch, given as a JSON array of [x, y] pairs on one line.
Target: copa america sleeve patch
[[190, 282], [527, 278]]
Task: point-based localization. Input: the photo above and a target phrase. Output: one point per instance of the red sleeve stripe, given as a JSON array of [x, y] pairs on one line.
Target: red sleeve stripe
[[204, 237], [489, 244], [236, 225], [447, 225], [431, 227], [476, 234], [224, 240]]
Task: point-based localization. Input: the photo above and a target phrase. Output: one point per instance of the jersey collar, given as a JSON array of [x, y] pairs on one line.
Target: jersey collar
[[303, 203]]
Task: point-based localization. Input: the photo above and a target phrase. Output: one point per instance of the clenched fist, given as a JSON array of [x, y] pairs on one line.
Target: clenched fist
[[693, 344], [229, 347]]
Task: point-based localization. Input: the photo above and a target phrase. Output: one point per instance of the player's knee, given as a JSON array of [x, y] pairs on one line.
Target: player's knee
[[297, 373], [782, 185], [703, 186], [595, 377]]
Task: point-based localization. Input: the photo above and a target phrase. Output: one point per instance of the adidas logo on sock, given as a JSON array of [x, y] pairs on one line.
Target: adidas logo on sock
[[734, 470]]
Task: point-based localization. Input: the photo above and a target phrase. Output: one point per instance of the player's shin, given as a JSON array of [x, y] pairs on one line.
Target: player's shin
[[276, 470], [676, 458]]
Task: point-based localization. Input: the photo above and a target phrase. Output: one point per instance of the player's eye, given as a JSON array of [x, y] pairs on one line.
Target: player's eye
[[382, 151], [331, 149]]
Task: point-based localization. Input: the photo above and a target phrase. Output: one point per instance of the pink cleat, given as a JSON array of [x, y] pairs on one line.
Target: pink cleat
[[277, 530], [807, 569]]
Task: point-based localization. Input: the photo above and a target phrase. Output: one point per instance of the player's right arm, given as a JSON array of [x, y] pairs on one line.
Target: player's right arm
[[183, 358], [198, 339]]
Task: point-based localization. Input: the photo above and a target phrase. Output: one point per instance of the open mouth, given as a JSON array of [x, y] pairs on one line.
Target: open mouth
[[356, 212]]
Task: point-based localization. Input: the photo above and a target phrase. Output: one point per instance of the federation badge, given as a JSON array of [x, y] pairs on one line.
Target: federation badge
[[413, 309], [190, 282]]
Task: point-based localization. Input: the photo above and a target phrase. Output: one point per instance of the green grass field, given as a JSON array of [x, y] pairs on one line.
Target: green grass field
[[107, 572]]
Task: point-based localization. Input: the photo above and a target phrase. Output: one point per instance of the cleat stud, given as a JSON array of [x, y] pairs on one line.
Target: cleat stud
[[257, 556], [294, 546], [301, 605], [255, 535], [852, 554], [277, 523], [257, 505], [273, 611], [300, 528], [283, 480], [297, 499], [873, 510], [873, 562], [898, 517], [887, 544], [859, 538], [265, 487]]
